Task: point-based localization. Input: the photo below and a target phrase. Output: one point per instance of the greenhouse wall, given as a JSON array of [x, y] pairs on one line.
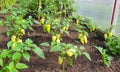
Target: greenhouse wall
[[99, 10]]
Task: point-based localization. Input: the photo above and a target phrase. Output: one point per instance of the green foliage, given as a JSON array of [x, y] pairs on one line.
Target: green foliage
[[68, 51], [21, 66], [113, 45], [26, 56], [16, 53], [56, 48], [6, 3], [38, 51], [45, 44], [105, 57], [1, 62]]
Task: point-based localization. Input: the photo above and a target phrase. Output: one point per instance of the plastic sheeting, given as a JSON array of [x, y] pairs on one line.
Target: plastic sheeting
[[118, 22], [99, 10]]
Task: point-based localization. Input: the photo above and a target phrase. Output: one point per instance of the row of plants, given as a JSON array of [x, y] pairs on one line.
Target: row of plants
[[111, 46], [17, 49], [56, 18]]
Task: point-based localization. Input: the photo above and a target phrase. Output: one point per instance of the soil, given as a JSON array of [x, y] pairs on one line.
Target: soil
[[49, 64]]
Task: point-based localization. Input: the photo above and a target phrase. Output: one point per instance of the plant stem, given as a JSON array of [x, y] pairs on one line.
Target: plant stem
[[63, 67], [39, 9]]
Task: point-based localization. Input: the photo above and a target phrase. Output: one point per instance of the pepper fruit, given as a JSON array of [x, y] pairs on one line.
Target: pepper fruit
[[47, 28], [58, 41], [22, 31], [60, 60], [92, 28], [70, 52], [13, 38], [105, 36], [79, 36], [77, 21], [85, 39], [110, 34], [63, 28], [19, 41], [57, 36], [82, 40], [53, 38], [67, 27], [42, 21]]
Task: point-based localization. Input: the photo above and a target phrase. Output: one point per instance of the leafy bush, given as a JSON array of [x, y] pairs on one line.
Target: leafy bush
[[113, 45]]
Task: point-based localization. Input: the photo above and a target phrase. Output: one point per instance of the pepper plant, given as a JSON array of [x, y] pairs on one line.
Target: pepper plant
[[6, 3], [83, 26], [10, 59], [106, 59], [66, 52]]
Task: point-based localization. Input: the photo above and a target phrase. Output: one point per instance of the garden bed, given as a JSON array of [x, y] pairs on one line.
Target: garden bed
[[49, 64]]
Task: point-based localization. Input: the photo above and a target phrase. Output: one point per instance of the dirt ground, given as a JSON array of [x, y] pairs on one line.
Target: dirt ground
[[49, 64]]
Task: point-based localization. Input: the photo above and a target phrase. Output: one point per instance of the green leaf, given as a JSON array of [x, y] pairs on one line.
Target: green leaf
[[36, 22], [26, 55], [38, 51], [4, 53], [28, 41], [14, 70], [100, 49], [11, 65], [24, 26], [87, 55], [21, 66], [82, 47], [16, 56], [70, 46], [1, 23], [56, 48], [45, 44], [1, 62], [9, 44], [9, 33]]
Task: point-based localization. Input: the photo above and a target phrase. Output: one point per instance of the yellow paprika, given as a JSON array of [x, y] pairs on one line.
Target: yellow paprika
[[58, 36], [110, 34], [105, 36], [70, 52], [58, 41], [48, 28], [79, 36], [53, 38], [60, 60], [82, 40], [22, 31], [85, 39], [42, 21], [13, 38]]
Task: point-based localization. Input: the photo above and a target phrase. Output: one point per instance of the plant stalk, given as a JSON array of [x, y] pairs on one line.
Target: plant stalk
[[39, 9], [63, 67]]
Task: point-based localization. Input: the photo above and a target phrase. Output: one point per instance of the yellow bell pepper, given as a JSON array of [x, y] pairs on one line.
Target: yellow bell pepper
[[85, 39], [60, 60], [58, 41], [13, 38], [58, 36], [70, 52], [42, 21], [53, 38], [105, 36]]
